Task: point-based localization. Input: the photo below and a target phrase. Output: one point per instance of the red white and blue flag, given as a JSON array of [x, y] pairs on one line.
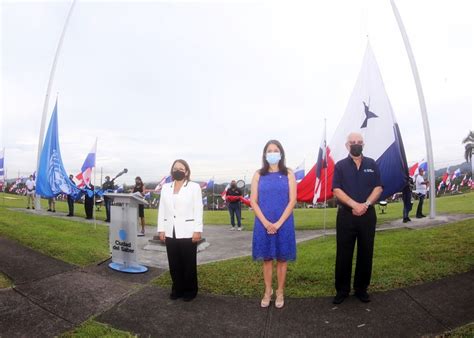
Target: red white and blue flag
[[84, 177], [414, 169], [165, 179], [370, 113], [299, 172], [456, 173], [224, 193]]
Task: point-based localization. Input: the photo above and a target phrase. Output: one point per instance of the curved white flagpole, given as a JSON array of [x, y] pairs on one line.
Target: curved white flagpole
[[46, 99], [424, 114]]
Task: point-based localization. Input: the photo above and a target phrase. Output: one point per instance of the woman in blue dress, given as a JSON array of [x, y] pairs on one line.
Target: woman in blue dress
[[273, 197]]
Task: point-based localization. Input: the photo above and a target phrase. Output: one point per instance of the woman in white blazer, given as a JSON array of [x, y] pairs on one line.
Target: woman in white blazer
[[180, 225]]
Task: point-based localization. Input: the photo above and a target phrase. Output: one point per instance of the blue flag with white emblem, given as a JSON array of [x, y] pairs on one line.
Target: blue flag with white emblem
[[52, 178]]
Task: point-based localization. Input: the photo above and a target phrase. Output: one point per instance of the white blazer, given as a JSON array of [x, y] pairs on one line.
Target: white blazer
[[184, 213]]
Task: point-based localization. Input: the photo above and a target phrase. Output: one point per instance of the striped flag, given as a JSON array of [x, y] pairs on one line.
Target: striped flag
[[84, 177]]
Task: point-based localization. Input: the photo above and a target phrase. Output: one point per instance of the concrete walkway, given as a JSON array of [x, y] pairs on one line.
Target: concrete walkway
[[428, 309], [51, 297]]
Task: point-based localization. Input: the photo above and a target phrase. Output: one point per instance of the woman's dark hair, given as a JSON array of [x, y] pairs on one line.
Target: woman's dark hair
[[139, 179], [186, 166], [281, 165]]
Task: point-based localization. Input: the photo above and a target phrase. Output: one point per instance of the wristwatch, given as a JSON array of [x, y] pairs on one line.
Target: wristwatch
[[367, 203]]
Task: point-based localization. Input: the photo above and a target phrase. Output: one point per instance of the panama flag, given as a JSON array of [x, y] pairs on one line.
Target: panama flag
[[445, 177], [2, 168], [416, 167], [164, 180], [370, 113], [210, 184], [456, 173], [464, 180], [84, 177], [299, 172], [52, 178], [316, 185], [440, 185], [224, 193]]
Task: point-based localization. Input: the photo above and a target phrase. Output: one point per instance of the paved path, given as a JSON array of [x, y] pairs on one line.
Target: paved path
[[226, 244], [51, 297], [432, 308]]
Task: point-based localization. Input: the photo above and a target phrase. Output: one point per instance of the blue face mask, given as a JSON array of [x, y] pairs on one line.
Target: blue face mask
[[273, 158]]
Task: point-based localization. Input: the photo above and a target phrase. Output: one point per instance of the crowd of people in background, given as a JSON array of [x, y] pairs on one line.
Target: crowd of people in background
[[356, 186]]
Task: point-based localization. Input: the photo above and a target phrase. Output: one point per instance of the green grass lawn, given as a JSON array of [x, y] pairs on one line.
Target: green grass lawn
[[401, 258], [463, 331], [304, 218], [73, 242], [92, 328], [4, 281]]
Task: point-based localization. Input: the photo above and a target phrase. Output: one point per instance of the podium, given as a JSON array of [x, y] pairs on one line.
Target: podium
[[123, 232]]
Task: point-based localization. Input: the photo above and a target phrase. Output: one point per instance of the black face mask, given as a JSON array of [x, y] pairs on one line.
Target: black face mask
[[178, 175], [233, 185], [356, 150]]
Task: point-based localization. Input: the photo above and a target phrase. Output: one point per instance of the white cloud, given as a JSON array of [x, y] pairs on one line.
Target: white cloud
[[212, 81]]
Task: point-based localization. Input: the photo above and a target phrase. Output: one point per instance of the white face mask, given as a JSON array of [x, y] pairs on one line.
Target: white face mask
[[273, 158]]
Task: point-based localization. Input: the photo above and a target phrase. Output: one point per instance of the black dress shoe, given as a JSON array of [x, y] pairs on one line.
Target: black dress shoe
[[405, 220], [174, 296], [339, 298], [188, 298], [363, 296], [418, 216], [408, 219]]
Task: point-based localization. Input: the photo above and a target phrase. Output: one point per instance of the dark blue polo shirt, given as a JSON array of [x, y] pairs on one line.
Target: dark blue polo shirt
[[358, 184]]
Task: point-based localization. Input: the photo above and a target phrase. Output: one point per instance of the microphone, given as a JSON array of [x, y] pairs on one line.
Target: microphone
[[124, 171]]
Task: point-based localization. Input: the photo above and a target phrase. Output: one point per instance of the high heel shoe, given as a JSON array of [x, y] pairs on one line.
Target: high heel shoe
[[266, 300], [280, 300]]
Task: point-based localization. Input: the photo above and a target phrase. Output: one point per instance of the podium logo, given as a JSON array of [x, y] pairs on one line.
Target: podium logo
[[122, 235]]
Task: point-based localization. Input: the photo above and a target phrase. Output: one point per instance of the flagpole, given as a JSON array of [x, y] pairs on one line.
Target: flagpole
[[325, 179], [213, 183], [95, 160], [4, 183], [46, 99], [424, 114]]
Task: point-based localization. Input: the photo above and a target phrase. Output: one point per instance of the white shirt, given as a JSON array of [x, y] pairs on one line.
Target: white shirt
[[30, 184], [420, 186], [182, 211]]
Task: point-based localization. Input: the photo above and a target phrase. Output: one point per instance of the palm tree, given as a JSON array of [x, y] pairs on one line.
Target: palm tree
[[469, 149]]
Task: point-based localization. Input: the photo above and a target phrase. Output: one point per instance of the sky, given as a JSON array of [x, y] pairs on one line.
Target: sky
[[213, 81]]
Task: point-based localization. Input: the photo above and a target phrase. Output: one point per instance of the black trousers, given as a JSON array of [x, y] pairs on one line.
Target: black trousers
[[182, 254], [107, 203], [235, 209], [419, 209], [89, 206], [349, 229], [70, 204]]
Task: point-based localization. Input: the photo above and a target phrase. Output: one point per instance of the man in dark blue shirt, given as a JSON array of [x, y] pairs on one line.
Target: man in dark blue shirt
[[234, 205], [357, 186]]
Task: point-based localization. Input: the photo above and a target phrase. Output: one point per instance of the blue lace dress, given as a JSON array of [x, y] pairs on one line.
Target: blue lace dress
[[273, 190]]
